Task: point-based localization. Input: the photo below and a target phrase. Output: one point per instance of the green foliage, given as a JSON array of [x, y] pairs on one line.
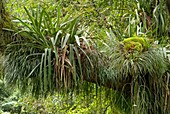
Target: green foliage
[[15, 7], [10, 104], [141, 74], [8, 99], [58, 47], [55, 52], [3, 92], [73, 103]]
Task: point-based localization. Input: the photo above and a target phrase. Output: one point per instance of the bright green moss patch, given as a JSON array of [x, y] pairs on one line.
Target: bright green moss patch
[[132, 44]]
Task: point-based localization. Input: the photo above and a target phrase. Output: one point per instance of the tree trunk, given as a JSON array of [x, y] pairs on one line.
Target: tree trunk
[[1, 15], [5, 22], [1, 22]]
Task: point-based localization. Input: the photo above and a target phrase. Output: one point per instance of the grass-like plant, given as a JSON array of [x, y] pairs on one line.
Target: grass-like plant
[[140, 72], [49, 54]]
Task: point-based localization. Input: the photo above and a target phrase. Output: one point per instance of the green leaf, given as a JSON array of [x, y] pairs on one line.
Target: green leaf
[[63, 59], [58, 16], [72, 60], [49, 69], [86, 56], [57, 37], [65, 40], [45, 71], [55, 50], [79, 61], [77, 40], [41, 73]]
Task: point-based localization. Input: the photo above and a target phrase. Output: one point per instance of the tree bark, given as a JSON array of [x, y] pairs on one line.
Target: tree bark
[[2, 14], [5, 22], [168, 5]]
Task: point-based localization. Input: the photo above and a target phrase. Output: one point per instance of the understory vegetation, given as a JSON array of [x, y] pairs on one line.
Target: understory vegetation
[[85, 57]]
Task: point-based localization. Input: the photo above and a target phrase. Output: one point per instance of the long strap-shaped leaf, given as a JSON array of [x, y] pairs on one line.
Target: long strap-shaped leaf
[[65, 40], [63, 59], [55, 50], [41, 74], [45, 71], [34, 27], [79, 61], [58, 18], [77, 40], [72, 60], [57, 37], [49, 69], [86, 56]]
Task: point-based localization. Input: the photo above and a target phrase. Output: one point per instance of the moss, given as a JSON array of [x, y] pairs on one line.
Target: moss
[[132, 44], [5, 21], [136, 46]]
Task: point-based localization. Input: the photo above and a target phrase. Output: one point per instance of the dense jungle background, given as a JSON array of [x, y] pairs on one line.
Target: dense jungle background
[[84, 56]]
